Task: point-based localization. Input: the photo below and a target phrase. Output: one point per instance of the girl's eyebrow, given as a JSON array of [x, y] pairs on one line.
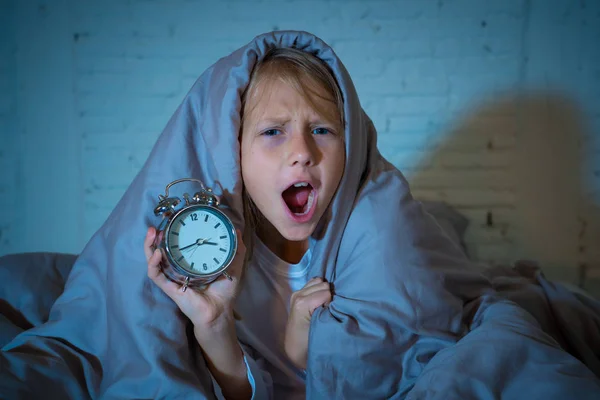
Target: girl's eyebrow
[[280, 121], [274, 121], [322, 121]]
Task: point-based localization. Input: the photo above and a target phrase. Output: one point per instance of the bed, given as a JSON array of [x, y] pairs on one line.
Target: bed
[[31, 283]]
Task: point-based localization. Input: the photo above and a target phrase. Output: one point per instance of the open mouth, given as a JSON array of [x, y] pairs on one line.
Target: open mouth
[[299, 198]]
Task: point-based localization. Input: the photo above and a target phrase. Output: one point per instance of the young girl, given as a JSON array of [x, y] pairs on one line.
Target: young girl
[[292, 160], [394, 310]]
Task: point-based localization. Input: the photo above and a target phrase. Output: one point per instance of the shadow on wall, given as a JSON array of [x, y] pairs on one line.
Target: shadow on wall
[[515, 167]]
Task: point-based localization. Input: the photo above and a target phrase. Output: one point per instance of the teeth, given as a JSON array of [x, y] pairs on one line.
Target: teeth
[[311, 198], [301, 184]]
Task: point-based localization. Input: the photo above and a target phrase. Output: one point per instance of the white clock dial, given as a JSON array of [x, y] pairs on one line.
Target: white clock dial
[[201, 240]]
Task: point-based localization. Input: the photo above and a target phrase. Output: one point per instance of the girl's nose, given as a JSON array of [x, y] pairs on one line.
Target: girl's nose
[[301, 150]]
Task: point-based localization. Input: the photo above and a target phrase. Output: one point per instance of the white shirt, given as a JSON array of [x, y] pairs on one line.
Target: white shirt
[[264, 304]]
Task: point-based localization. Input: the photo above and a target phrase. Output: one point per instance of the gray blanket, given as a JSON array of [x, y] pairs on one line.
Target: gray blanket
[[411, 316]]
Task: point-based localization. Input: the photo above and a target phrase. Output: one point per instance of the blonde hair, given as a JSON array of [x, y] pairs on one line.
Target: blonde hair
[[305, 73]]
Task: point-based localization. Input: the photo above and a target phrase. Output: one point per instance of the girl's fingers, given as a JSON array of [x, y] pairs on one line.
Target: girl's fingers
[[313, 281], [319, 299], [149, 242], [305, 305], [155, 274], [154, 271], [309, 290]]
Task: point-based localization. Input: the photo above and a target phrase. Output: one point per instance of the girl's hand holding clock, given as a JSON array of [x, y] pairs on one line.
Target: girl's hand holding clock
[[205, 308], [211, 313]]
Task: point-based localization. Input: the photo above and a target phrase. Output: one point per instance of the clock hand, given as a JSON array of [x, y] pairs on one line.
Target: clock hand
[[187, 247], [206, 241], [196, 243], [211, 243]]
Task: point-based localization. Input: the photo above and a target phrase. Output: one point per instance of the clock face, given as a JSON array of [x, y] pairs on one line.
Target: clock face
[[201, 240]]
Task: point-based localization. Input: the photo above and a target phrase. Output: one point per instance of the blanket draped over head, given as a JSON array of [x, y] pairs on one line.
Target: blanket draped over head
[[411, 316]]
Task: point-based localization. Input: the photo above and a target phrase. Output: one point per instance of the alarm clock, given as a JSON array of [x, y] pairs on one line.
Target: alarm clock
[[198, 239]]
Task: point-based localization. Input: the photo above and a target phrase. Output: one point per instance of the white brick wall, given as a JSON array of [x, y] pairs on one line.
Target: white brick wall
[[9, 159], [440, 78]]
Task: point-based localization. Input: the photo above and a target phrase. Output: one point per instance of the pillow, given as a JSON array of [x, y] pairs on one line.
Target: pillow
[[31, 283]]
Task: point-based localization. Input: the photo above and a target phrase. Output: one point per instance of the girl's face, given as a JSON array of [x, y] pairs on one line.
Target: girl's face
[[292, 157]]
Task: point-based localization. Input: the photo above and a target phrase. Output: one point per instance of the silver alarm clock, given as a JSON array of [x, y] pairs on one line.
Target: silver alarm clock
[[199, 240]]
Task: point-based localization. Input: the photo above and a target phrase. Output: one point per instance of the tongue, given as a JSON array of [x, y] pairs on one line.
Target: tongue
[[296, 198]]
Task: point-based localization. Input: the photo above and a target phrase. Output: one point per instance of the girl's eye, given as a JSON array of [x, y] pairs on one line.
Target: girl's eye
[[271, 132], [321, 131]]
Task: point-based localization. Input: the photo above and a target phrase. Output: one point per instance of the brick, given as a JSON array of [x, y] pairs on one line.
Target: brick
[[406, 105], [416, 29], [187, 13], [140, 83], [482, 70], [490, 235], [506, 7], [383, 10], [205, 31], [104, 199], [468, 197], [411, 85], [475, 141], [411, 124], [6, 105], [111, 178], [192, 68], [503, 254], [463, 179], [98, 130], [100, 125], [87, 65], [466, 8], [365, 67], [406, 159], [348, 50], [282, 12], [480, 134], [453, 47], [487, 159], [108, 103], [593, 273], [400, 143], [481, 216], [117, 157], [120, 142], [89, 16]]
